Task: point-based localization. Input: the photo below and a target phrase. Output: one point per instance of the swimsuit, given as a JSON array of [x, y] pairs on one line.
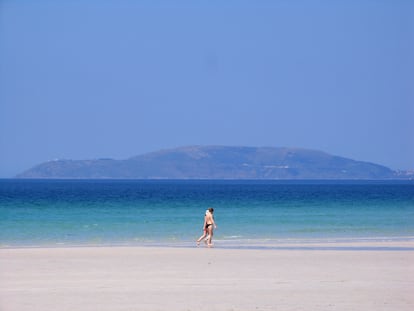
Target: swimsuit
[[208, 225]]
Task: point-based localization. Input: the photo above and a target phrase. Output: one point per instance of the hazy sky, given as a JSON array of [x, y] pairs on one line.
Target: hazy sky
[[93, 79]]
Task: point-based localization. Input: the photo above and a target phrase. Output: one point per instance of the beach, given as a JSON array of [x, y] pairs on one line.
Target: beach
[[191, 278], [130, 245]]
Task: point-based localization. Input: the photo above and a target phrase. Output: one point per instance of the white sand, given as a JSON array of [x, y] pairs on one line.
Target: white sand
[[149, 278]]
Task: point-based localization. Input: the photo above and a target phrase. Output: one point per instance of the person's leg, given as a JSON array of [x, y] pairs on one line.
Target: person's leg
[[202, 237], [210, 235]]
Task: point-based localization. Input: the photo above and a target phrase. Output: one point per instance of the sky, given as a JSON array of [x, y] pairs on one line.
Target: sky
[[114, 79]]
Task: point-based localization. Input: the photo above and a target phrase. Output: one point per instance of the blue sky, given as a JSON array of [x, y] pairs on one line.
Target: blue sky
[[93, 79]]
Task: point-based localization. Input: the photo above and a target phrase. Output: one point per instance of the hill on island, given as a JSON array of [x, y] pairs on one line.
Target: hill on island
[[215, 162]]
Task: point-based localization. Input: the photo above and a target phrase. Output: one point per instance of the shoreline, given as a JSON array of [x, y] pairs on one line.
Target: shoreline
[[402, 243]]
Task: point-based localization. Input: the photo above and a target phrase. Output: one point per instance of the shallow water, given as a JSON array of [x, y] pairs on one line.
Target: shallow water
[[132, 212]]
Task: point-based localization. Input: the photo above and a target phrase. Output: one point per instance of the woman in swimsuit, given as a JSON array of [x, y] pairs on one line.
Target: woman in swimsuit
[[209, 224], [205, 234], [207, 227]]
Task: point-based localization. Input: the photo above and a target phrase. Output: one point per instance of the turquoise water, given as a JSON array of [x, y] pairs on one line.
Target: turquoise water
[[121, 212]]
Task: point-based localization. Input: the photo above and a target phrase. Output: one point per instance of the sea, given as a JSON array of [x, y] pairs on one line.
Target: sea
[[248, 213]]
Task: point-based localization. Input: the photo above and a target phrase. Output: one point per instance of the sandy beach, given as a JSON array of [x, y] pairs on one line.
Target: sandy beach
[[166, 278]]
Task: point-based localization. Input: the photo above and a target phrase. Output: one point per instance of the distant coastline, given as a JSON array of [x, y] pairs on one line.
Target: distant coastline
[[219, 163]]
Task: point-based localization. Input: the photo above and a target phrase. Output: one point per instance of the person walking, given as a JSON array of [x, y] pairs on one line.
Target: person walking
[[210, 225], [205, 234], [208, 228]]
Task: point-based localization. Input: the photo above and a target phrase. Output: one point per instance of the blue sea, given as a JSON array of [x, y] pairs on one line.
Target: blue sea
[[36, 213]]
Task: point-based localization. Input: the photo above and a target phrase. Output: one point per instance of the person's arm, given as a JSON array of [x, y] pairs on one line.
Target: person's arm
[[213, 222], [205, 222]]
